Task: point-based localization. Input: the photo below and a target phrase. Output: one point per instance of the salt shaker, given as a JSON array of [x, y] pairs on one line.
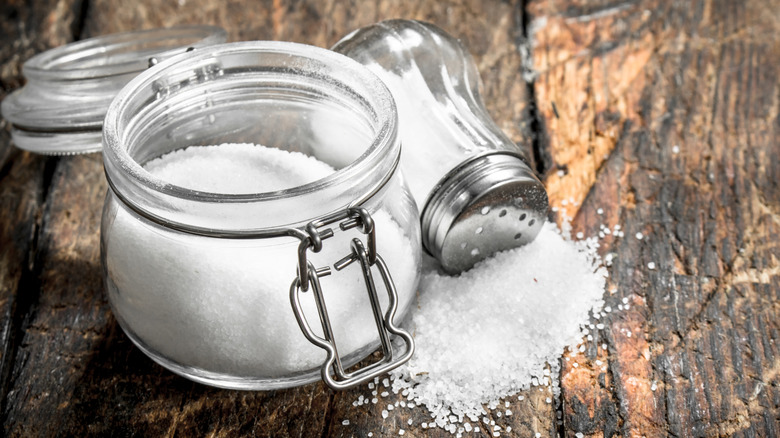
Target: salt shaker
[[473, 185]]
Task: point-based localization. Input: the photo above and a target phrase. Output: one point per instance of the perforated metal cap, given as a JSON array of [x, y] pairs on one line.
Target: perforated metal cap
[[491, 203]]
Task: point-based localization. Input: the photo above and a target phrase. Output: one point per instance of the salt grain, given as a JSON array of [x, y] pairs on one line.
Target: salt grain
[[651, 266]]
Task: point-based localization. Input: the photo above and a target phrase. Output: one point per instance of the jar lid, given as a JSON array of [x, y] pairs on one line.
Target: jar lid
[[69, 88]]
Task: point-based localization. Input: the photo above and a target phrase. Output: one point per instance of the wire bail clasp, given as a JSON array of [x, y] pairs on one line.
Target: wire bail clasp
[[367, 257]]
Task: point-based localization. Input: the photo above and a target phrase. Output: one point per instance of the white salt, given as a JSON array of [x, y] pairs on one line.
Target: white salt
[[538, 310], [222, 305], [651, 266]]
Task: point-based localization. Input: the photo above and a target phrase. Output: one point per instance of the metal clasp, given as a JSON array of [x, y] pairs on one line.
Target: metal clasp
[[309, 277]]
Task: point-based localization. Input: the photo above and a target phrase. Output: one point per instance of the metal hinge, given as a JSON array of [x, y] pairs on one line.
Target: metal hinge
[[333, 372]]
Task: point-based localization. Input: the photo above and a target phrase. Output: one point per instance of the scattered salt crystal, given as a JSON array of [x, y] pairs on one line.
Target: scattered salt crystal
[[651, 265], [385, 413], [389, 407], [579, 435], [508, 429], [548, 400], [508, 413], [653, 387], [401, 431], [370, 434], [345, 422], [386, 382], [538, 435], [600, 326], [496, 433], [625, 300], [370, 385], [600, 211], [374, 400], [384, 394], [424, 425], [575, 365], [409, 422], [467, 426], [675, 149], [520, 397], [580, 235], [640, 236]]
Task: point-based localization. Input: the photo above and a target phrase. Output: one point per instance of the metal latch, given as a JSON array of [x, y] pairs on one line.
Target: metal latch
[[333, 372]]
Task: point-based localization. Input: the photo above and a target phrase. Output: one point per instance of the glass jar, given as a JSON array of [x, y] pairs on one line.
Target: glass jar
[[61, 108], [231, 289]]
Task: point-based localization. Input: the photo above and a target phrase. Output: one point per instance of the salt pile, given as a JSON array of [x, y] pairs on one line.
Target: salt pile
[[494, 330]]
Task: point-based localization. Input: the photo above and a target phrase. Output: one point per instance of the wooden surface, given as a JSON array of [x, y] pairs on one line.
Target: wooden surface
[[663, 115]]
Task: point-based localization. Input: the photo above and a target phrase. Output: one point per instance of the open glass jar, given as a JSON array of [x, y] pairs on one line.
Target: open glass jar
[[233, 290]]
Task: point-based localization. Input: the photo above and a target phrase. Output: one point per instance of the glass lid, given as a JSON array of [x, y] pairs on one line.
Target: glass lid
[[69, 88]]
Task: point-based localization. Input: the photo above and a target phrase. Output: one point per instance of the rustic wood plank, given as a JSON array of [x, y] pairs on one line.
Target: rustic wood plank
[[666, 118], [25, 29]]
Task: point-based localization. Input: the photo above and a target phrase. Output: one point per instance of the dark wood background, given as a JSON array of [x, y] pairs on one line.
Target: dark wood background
[[614, 87]]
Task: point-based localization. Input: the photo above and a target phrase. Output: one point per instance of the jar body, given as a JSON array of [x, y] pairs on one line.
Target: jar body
[[197, 280]]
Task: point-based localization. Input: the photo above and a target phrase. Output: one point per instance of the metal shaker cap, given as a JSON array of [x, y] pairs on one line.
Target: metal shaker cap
[[488, 204]]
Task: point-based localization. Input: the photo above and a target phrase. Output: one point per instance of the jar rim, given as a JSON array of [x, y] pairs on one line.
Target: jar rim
[[384, 145], [67, 62]]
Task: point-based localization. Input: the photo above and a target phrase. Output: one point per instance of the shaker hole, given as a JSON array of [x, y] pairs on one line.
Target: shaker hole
[[522, 217], [485, 210], [478, 230], [502, 213], [518, 236], [531, 222]]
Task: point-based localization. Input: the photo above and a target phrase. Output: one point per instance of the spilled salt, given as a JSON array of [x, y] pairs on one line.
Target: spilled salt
[[492, 331]]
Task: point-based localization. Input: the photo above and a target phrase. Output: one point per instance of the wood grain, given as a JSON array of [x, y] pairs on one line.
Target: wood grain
[[666, 119], [662, 114]]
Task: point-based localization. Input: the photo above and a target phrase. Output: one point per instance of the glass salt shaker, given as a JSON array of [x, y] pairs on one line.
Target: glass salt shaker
[[61, 108], [261, 290], [473, 185]]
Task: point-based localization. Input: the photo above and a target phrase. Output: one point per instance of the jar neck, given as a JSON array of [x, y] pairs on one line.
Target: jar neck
[[146, 121]]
